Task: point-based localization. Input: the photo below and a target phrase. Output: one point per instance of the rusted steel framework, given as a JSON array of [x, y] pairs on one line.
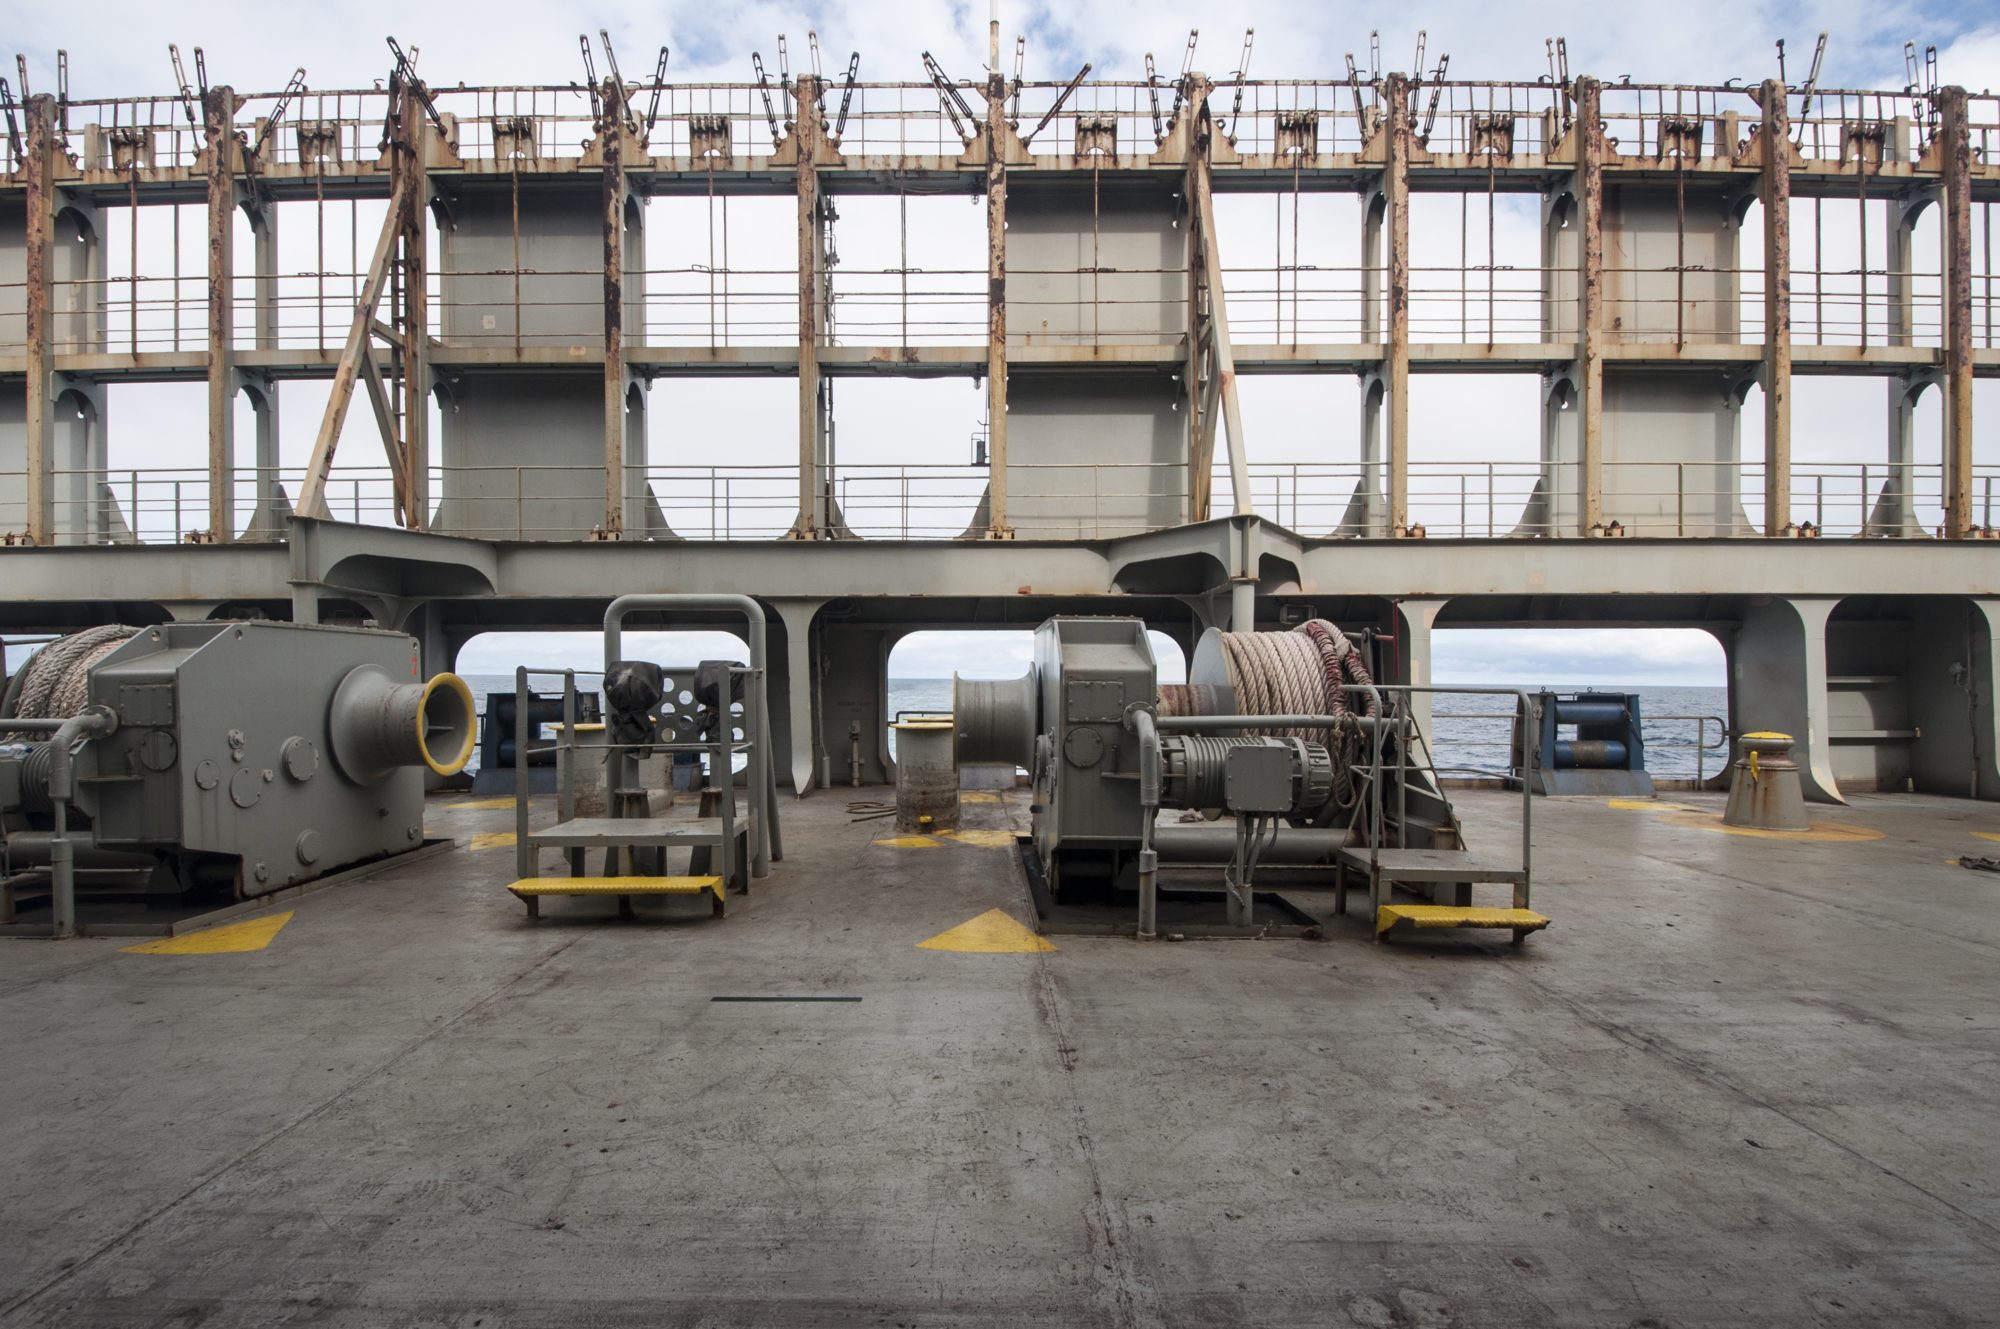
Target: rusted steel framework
[[1593, 152]]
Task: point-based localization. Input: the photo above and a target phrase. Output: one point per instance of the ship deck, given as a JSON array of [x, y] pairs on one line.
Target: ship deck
[[1739, 1080]]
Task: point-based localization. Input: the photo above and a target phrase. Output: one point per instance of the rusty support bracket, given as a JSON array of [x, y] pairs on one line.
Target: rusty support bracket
[[998, 133], [1061, 97], [385, 420], [1203, 195], [1954, 140], [1589, 190], [39, 166], [312, 491], [1398, 135], [611, 132], [219, 107], [1776, 189]]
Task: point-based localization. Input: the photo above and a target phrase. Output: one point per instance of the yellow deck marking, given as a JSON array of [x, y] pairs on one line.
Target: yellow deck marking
[[229, 939], [480, 805], [491, 840], [983, 839], [1820, 832], [1456, 916], [1647, 805], [994, 932], [1988, 835], [979, 796]]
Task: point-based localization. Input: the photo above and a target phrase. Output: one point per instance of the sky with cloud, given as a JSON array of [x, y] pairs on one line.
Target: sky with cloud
[[118, 47]]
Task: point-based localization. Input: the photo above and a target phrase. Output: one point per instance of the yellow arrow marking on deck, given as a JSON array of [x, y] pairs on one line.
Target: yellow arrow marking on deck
[[229, 939], [491, 840], [1988, 835], [994, 932], [480, 805]]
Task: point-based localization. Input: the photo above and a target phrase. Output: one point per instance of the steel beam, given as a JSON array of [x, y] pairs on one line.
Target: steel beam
[[1396, 355], [1954, 147], [414, 314], [219, 162], [611, 134], [1776, 189], [312, 491], [812, 519], [999, 140], [39, 168], [1224, 363], [1589, 191]]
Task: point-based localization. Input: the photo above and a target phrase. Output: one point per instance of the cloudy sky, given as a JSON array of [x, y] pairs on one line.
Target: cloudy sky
[[122, 49]]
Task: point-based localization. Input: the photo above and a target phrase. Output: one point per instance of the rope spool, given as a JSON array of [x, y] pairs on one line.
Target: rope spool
[[55, 682], [1302, 672]]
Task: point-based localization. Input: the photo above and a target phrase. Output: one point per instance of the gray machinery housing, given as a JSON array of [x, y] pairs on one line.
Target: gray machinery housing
[[1088, 722], [243, 757]]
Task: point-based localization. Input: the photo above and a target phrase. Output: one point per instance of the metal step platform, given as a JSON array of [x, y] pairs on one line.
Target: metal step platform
[[530, 890], [1520, 921], [611, 832]]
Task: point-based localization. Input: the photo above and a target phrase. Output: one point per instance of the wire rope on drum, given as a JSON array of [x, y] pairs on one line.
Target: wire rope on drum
[[55, 682], [1305, 672]]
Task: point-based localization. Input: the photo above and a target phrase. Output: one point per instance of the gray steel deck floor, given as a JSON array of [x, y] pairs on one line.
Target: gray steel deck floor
[[1738, 1082]]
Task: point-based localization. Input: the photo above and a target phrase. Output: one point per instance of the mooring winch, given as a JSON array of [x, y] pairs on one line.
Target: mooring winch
[[1283, 741], [227, 758]]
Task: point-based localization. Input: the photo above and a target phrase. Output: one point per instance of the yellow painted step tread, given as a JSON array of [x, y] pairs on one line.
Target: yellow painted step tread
[[616, 886], [1451, 916]]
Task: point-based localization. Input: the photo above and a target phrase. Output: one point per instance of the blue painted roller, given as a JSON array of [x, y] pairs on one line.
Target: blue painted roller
[[1591, 712], [1600, 754]]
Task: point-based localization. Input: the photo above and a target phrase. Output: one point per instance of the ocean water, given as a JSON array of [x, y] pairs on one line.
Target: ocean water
[[1472, 743], [1472, 732]]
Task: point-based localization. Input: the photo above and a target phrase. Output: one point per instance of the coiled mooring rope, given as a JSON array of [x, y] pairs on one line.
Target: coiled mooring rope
[[55, 682], [1305, 672]]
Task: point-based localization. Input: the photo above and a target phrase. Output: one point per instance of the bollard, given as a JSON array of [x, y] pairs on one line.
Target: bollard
[[1764, 789], [926, 776]]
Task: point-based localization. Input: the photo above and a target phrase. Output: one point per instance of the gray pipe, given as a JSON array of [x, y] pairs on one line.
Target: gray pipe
[[1177, 723], [765, 845], [91, 722], [1141, 720], [30, 849], [1214, 843]]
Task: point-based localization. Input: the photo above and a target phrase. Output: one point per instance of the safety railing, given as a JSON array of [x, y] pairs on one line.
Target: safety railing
[[1459, 733], [1263, 117], [751, 307], [1664, 499], [1054, 500]]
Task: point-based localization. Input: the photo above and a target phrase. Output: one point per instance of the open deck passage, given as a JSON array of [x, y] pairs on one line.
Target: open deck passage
[[1739, 1081]]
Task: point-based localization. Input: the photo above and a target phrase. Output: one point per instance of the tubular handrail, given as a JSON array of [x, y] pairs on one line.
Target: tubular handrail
[[766, 842]]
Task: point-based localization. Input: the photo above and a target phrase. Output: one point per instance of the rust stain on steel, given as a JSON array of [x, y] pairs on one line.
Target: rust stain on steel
[[1590, 311], [1776, 133], [218, 116], [40, 258], [611, 134], [1955, 155]]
